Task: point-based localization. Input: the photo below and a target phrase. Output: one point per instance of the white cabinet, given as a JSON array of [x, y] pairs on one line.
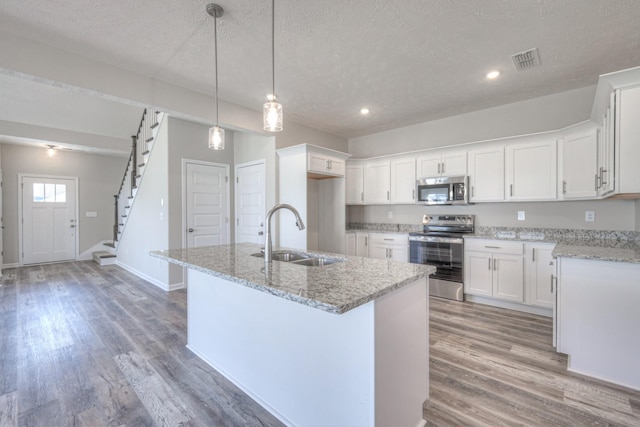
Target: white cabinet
[[530, 170], [604, 179], [403, 180], [350, 244], [354, 181], [377, 182], [362, 244], [627, 135], [440, 163], [539, 276], [494, 268], [322, 162], [391, 246], [578, 165], [486, 174]]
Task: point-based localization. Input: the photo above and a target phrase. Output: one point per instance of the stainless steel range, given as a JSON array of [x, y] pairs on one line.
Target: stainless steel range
[[441, 244]]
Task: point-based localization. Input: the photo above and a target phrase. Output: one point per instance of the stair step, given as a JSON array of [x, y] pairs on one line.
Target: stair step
[[145, 153], [127, 207], [121, 224], [141, 165], [149, 139], [104, 258], [124, 216], [109, 244], [138, 176], [155, 125], [130, 197]]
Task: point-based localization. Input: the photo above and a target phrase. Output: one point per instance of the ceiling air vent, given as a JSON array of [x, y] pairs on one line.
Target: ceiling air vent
[[527, 59]]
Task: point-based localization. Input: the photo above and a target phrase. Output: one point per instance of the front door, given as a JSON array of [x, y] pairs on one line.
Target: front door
[[250, 203], [48, 219], [207, 205]]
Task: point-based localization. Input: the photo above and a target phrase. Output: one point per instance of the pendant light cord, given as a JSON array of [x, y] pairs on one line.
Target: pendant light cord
[[215, 44], [273, 49]]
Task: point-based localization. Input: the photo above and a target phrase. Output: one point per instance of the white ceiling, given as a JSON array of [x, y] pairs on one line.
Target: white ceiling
[[409, 61]]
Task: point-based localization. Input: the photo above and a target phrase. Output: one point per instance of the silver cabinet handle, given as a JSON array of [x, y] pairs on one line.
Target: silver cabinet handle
[[492, 247], [489, 263], [473, 191], [362, 196], [387, 194], [494, 265], [564, 187], [366, 241], [391, 240], [413, 195], [442, 167], [597, 182], [190, 230], [551, 283], [438, 167], [533, 255], [511, 190], [602, 172]]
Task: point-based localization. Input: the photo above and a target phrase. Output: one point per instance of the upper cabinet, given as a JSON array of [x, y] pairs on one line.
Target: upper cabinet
[[377, 182], [354, 177], [604, 179], [578, 165], [627, 140], [530, 170], [403, 180], [442, 163], [486, 174], [324, 162]]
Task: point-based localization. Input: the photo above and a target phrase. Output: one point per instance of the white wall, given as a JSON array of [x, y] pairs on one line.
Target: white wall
[[99, 178], [249, 147], [147, 227], [610, 214], [535, 115]]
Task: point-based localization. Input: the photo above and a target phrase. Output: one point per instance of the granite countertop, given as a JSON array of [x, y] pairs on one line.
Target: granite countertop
[[335, 288]]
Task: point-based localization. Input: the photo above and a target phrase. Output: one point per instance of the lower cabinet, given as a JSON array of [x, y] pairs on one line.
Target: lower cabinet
[[387, 245], [350, 246], [540, 273], [357, 244], [494, 268]]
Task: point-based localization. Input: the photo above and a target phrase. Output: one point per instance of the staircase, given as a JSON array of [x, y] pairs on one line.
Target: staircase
[[142, 143]]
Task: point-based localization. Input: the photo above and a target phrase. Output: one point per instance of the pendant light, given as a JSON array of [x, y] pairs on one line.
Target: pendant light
[[272, 110], [216, 133]]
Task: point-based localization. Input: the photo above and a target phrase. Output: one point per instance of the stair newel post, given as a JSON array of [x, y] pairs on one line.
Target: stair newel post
[[117, 221], [134, 164]]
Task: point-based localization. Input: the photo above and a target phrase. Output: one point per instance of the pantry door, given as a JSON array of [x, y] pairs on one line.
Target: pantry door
[[48, 227]]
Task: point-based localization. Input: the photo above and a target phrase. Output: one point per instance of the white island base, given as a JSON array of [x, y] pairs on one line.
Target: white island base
[[308, 367]]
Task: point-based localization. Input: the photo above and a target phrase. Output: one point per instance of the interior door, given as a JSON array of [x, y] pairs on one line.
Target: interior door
[[48, 219], [1, 227], [207, 209], [250, 203]]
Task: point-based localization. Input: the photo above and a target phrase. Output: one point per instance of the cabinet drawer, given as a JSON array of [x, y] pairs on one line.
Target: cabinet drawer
[[494, 246], [389, 239]]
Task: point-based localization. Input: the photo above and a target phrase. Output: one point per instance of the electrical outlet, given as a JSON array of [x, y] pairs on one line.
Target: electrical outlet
[[589, 216], [390, 215], [520, 215]]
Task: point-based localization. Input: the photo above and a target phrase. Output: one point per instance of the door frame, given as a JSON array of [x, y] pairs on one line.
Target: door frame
[[262, 162], [20, 213], [184, 195]]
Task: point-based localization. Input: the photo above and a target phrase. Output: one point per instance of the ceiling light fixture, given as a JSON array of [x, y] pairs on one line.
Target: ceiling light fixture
[[364, 111], [216, 133], [493, 74], [51, 150], [272, 109]]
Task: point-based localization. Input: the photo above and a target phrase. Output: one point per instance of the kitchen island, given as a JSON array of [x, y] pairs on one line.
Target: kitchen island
[[340, 344]]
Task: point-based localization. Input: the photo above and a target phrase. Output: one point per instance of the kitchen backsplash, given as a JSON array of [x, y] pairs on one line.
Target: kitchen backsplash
[[544, 234]]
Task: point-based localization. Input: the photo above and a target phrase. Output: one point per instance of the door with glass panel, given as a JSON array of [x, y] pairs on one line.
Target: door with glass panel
[[48, 223]]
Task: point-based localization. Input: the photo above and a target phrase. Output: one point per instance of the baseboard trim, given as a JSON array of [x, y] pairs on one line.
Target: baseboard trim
[[11, 265], [152, 280], [541, 311]]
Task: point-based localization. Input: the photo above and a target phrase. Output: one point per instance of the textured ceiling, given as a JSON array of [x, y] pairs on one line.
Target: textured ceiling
[[409, 61]]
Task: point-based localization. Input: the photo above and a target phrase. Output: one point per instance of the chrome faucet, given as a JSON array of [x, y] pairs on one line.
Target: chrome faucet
[[267, 236]]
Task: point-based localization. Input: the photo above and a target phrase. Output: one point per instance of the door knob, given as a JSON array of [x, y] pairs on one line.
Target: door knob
[[190, 230], [72, 226], [260, 233]]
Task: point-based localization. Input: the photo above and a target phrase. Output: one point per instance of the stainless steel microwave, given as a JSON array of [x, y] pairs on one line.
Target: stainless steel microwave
[[442, 190]]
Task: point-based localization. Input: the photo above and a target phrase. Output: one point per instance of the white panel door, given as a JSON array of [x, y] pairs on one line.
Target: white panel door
[[1, 227], [250, 203], [207, 208], [48, 219]]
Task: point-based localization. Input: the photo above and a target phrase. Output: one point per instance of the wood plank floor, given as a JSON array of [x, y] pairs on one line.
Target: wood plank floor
[[84, 345], [495, 367]]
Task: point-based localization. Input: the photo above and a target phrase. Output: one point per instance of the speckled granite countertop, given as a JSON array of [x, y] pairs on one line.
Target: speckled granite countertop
[[335, 288]]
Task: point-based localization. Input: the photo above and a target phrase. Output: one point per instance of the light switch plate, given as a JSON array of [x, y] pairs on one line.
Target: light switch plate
[[589, 216], [89, 214], [390, 214], [520, 215]]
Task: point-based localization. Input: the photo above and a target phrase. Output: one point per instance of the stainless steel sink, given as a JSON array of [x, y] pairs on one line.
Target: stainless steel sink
[[317, 261], [284, 256]]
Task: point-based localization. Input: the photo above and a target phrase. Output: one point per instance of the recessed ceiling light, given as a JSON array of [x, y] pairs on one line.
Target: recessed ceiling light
[[493, 74], [364, 111]]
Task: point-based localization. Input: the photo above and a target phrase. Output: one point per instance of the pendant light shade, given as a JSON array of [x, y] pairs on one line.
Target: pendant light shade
[[216, 133], [272, 109]]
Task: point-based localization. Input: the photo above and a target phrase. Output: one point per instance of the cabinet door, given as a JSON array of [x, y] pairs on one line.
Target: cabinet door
[[540, 274], [627, 135], [403, 180], [486, 174], [378, 250], [377, 182], [429, 165], [578, 166], [350, 244], [336, 166], [317, 163], [508, 277], [362, 244], [454, 163], [399, 253], [606, 158], [478, 273], [354, 183], [531, 171]]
